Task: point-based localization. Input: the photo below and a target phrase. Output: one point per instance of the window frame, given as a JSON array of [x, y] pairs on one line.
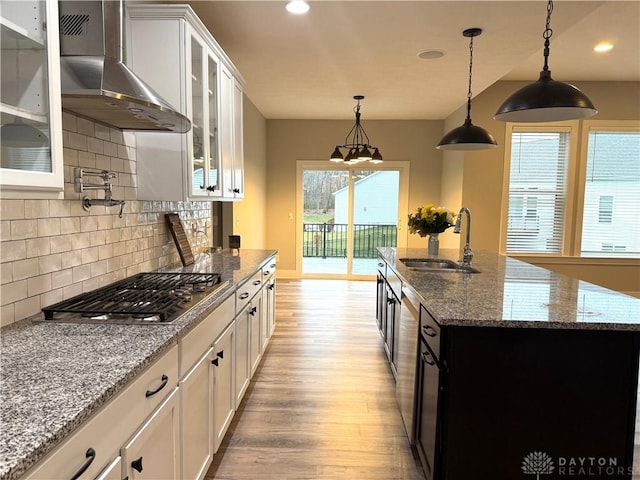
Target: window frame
[[587, 127], [579, 131], [570, 127]]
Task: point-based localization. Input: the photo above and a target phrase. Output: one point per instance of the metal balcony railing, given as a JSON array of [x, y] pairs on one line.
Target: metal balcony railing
[[327, 240]]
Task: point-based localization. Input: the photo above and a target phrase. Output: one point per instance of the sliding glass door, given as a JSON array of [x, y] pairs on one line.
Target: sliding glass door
[[345, 214]]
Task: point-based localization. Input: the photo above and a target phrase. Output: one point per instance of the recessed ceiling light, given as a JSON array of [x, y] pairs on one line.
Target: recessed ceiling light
[[602, 47], [431, 54], [298, 7]]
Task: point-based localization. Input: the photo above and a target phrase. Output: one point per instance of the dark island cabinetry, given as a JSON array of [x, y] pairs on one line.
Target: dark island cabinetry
[[508, 403], [521, 373]]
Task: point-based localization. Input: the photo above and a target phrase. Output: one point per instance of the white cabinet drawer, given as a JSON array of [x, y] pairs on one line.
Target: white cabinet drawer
[[153, 453], [110, 427], [247, 290], [269, 269], [195, 343]]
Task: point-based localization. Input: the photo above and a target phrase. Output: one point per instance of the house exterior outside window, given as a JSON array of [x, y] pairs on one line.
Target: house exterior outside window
[[572, 189]]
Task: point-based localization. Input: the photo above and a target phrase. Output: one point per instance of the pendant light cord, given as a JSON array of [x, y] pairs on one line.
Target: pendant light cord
[[548, 32], [470, 74]]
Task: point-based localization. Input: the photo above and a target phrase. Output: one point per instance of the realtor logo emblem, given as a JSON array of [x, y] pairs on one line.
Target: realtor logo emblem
[[537, 463]]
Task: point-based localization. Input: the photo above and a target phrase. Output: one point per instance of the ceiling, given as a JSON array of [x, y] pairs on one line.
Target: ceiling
[[310, 66]]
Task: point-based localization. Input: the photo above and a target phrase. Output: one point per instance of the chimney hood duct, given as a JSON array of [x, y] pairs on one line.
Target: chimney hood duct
[[96, 84]]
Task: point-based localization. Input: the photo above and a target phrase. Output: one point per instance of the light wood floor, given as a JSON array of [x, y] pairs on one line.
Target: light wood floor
[[322, 404]]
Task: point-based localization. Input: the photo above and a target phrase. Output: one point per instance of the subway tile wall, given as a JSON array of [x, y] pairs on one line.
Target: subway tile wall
[[51, 250]]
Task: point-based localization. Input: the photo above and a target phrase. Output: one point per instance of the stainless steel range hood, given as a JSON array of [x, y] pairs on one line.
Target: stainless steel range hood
[[96, 83]]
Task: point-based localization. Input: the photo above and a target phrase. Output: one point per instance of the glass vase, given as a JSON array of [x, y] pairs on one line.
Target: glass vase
[[433, 245]]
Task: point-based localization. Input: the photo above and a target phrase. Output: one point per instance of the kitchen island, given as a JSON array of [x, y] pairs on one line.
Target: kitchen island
[[521, 371], [55, 377]]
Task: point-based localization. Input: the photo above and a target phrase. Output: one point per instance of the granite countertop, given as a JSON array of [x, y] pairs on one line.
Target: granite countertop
[[511, 293], [54, 376]]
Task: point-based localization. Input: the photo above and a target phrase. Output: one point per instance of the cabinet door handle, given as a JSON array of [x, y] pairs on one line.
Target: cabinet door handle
[[273, 265], [215, 362], [429, 331], [220, 354], [381, 264], [253, 311], [266, 272], [150, 393], [244, 295], [391, 300], [137, 465], [90, 457], [257, 282], [272, 286], [427, 358], [236, 190]]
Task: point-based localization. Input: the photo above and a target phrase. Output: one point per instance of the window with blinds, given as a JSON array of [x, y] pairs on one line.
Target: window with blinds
[[611, 213], [537, 191]]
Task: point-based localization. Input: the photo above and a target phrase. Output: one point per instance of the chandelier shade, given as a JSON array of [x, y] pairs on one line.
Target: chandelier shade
[[357, 143], [468, 136], [546, 100]]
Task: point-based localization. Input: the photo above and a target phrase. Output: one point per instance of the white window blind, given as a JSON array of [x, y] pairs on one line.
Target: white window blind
[[537, 191], [613, 172]]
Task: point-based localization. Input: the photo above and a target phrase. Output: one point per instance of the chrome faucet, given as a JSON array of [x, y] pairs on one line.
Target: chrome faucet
[[81, 186], [467, 254]]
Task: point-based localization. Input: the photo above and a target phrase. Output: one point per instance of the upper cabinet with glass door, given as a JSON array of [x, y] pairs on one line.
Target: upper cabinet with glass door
[[30, 108], [186, 71], [205, 163]]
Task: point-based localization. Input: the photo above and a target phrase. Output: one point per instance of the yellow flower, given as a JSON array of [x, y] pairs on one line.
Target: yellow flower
[[430, 219]]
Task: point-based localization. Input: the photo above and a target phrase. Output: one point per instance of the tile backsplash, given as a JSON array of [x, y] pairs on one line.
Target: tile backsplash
[[51, 250]]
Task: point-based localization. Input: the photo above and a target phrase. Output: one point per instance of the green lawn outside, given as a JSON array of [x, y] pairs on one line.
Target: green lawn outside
[[334, 243]]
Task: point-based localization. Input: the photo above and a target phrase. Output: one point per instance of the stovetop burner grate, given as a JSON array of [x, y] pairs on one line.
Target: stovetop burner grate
[[145, 297]]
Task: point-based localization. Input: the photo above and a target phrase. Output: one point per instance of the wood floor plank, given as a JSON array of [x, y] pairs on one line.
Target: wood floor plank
[[322, 404]]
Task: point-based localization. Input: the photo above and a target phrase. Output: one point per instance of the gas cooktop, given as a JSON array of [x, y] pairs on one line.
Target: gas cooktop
[[145, 298]]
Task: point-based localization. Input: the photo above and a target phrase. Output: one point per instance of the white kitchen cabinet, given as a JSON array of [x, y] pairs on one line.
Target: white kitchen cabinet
[[224, 393], [113, 471], [243, 342], [232, 138], [154, 451], [99, 441], [196, 418], [255, 318], [194, 75], [269, 300], [30, 103]]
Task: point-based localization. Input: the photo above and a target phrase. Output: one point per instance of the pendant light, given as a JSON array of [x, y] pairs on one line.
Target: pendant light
[[546, 100], [356, 143], [468, 136]]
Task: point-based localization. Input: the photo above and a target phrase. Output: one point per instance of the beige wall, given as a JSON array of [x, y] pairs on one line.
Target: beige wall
[[483, 171], [291, 140]]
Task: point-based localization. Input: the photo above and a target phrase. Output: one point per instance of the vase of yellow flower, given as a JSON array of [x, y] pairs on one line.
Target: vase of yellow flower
[[430, 220], [433, 245]]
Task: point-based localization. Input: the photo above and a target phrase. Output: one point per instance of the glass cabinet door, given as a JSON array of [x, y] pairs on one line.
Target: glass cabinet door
[[214, 154], [198, 162], [31, 148], [204, 129]]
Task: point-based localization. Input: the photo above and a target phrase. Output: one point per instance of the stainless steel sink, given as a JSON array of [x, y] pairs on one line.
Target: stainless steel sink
[[437, 265]]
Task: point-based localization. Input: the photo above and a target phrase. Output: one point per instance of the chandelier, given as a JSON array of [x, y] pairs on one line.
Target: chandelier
[[356, 143]]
